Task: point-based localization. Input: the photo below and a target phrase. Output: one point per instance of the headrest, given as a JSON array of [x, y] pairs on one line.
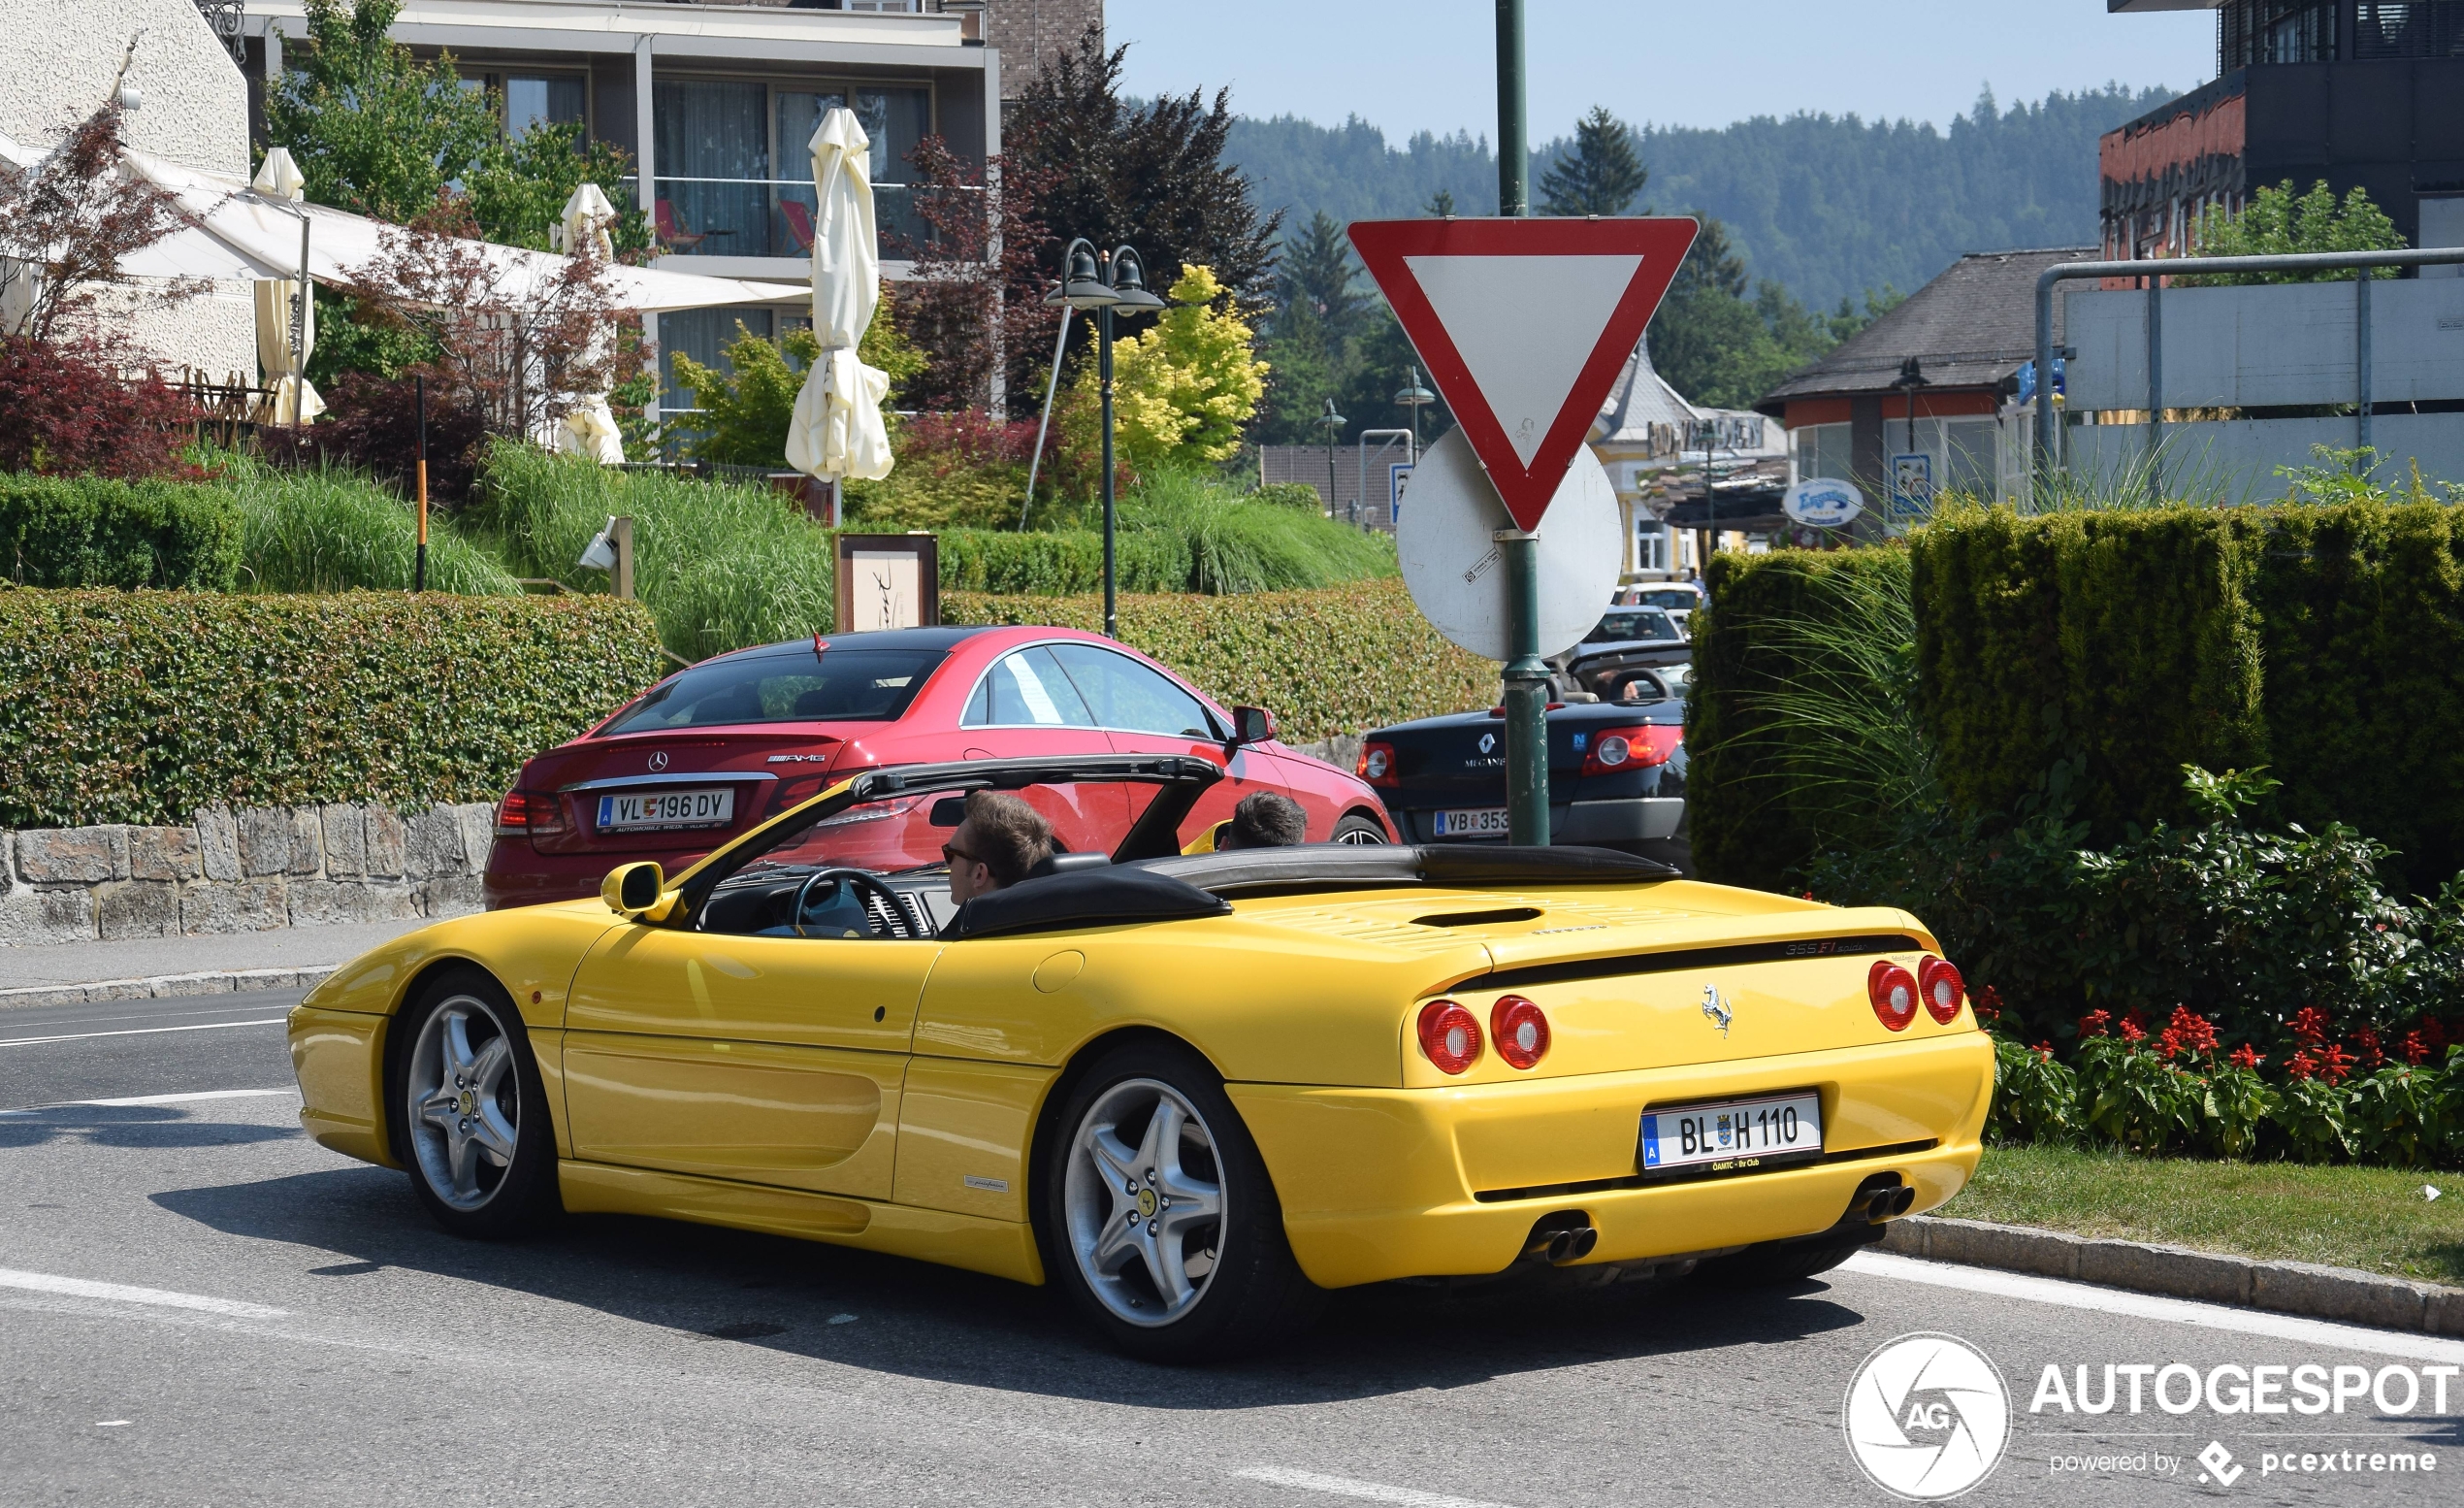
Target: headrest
[[1109, 896]]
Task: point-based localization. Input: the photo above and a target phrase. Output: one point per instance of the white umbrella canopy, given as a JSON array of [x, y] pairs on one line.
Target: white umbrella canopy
[[285, 338], [837, 430], [589, 429]]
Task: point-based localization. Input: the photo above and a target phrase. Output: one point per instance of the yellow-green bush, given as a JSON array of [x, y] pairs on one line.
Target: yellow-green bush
[[1333, 661], [143, 706]]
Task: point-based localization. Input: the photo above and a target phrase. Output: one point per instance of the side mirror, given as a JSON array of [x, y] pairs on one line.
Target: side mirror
[[1253, 725], [631, 889], [948, 812]]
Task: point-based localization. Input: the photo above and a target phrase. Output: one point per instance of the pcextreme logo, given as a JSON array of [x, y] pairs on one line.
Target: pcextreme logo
[[1926, 1417]]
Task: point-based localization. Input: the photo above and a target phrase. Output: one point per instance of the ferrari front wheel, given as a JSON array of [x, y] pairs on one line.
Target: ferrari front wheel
[[1160, 1220], [471, 1115]]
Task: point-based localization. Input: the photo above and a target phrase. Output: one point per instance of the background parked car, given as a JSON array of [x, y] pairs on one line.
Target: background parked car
[[725, 746], [1633, 654], [1676, 599]]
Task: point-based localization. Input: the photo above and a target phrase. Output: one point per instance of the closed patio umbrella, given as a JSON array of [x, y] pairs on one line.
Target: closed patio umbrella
[[590, 428], [837, 430], [282, 349]]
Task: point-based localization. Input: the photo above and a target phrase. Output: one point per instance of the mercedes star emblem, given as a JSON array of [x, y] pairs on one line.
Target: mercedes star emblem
[[659, 761]]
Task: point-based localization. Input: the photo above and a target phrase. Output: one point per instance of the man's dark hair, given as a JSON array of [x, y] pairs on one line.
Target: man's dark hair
[[1011, 837], [1266, 820]]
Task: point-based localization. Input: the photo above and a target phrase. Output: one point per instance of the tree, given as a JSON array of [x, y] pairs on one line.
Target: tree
[[1440, 205], [1601, 175], [976, 300], [745, 410], [2277, 224], [519, 186], [1319, 271], [373, 129], [1153, 176], [1722, 348], [65, 224], [1184, 390]]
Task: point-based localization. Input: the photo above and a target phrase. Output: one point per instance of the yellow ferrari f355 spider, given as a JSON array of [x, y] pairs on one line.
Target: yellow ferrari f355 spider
[[1197, 1090]]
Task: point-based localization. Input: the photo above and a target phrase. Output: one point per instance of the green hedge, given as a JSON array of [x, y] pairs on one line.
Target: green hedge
[[1334, 660], [2123, 643], [1061, 563], [90, 531], [1752, 821], [143, 706]]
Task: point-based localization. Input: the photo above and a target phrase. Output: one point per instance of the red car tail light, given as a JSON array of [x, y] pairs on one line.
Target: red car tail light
[[1614, 749], [1520, 1028], [1894, 993], [529, 814], [1939, 981], [1450, 1036], [1377, 764]]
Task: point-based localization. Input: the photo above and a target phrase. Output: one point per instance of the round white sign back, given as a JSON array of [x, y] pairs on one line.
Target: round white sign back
[[1456, 570]]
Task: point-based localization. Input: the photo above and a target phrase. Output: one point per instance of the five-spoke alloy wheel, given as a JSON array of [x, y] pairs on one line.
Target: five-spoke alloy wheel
[[470, 1116], [1157, 1214]]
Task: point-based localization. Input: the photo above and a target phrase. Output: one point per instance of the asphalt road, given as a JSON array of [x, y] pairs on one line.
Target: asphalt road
[[200, 1307]]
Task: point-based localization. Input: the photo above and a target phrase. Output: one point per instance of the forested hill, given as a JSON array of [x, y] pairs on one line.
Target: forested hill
[[1828, 205]]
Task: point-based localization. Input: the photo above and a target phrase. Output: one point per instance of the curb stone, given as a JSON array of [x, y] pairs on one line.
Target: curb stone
[[2301, 1288], [221, 981]]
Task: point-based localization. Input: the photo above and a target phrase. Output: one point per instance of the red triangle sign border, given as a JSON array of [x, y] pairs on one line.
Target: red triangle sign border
[[1661, 242]]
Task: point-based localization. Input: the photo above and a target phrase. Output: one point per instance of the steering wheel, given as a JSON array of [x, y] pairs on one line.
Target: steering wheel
[[863, 883]]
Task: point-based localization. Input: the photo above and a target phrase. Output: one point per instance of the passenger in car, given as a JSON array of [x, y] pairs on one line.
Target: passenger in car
[[1264, 820], [1001, 839]]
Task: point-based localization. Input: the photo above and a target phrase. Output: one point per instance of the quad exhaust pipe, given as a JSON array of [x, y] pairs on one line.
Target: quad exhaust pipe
[[1559, 1244]]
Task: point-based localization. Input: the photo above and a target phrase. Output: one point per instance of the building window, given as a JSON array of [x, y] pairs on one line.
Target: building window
[[703, 334], [543, 99], [1651, 544], [1822, 450], [735, 174]]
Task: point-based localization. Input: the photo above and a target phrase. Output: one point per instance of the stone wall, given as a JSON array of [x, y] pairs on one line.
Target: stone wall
[[242, 872]]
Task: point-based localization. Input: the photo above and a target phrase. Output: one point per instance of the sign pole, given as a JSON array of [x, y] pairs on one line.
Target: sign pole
[[419, 566], [1526, 675]]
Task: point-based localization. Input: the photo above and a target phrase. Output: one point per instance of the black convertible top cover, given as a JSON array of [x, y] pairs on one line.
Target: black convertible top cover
[[1083, 898], [1332, 865]]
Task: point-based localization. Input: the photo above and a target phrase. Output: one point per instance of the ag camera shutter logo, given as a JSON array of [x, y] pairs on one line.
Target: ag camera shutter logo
[[1926, 1417]]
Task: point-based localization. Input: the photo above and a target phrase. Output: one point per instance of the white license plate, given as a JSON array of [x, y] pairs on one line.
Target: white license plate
[[650, 809], [1474, 822], [1734, 1135]]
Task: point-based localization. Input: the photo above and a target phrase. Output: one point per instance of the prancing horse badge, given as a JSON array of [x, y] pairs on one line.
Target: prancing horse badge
[[1717, 1008]]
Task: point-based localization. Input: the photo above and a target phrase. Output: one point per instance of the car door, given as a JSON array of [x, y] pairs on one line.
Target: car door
[[1026, 705], [1143, 712], [762, 1060]]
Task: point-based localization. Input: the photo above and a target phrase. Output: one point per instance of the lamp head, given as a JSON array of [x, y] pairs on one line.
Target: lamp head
[[1129, 281], [1083, 285]]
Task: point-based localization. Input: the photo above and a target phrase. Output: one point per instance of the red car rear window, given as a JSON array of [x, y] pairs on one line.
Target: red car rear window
[[796, 686]]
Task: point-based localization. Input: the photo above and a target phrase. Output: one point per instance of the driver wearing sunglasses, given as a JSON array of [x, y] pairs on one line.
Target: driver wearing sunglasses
[[1000, 840]]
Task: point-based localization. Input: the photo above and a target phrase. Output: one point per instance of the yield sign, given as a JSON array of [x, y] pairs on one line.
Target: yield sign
[[1524, 324]]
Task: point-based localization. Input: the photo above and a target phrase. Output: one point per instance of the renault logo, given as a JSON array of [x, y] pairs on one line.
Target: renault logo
[[1717, 1008], [659, 761], [1488, 741]]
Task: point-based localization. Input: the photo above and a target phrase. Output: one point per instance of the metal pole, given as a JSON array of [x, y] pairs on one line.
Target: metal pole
[[2042, 475], [419, 566], [1103, 373], [1526, 675], [2362, 347], [2156, 388], [1050, 383]]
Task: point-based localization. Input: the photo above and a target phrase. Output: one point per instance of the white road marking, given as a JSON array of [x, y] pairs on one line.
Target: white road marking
[[122, 1292], [2151, 1306], [109, 1424], [1369, 1492], [160, 1100], [87, 1036]]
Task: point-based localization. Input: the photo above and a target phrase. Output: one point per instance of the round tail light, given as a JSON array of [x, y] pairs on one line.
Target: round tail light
[[1894, 993], [1613, 750], [1450, 1036], [1939, 980], [1520, 1030]]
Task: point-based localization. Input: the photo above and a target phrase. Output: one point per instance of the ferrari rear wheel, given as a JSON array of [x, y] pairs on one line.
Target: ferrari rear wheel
[[1160, 1218], [471, 1115], [1357, 831]]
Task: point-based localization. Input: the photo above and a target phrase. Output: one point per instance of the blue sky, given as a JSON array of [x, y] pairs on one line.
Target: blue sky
[[1405, 65]]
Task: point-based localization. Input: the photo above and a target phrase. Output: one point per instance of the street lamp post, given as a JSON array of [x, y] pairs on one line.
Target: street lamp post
[[1333, 424], [1094, 282], [1414, 396], [1911, 377]]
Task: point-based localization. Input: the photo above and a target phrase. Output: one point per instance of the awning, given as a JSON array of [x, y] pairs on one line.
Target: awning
[[255, 230]]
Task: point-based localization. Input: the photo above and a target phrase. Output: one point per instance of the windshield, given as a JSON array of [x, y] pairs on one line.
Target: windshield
[[784, 686], [1634, 623], [1682, 598]]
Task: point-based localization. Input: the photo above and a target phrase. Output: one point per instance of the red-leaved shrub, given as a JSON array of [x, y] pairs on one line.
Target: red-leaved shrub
[[65, 410]]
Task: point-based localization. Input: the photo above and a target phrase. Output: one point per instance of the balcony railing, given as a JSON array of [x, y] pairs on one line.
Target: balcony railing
[[739, 217]]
